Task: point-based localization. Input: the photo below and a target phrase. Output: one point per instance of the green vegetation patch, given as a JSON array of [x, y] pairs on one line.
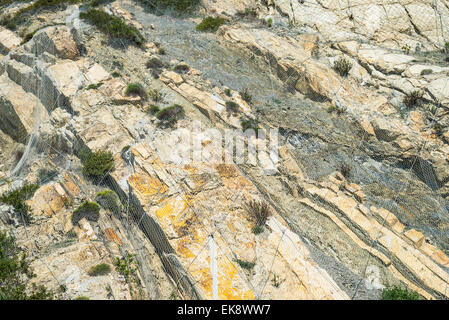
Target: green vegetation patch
[[109, 200], [171, 115], [12, 22], [45, 175], [210, 24], [182, 6], [248, 265], [412, 99], [88, 210], [231, 106], [342, 66], [100, 270], [125, 265], [136, 89], [399, 293], [259, 211], [15, 272], [82, 298], [153, 109], [113, 26], [249, 124], [17, 198], [96, 164]]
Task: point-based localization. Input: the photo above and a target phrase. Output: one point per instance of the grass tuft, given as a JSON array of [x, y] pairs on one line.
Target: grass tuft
[[113, 26], [210, 24]]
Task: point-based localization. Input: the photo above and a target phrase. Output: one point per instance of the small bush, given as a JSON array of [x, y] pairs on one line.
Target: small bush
[[181, 68], [153, 109], [247, 13], [113, 26], [246, 96], [45, 175], [99, 270], [124, 266], [171, 114], [109, 200], [259, 211], [97, 164], [345, 170], [182, 6], [342, 66], [156, 95], [250, 124], [88, 210], [231, 106], [161, 51], [228, 92], [136, 89], [398, 293], [248, 265], [15, 273], [94, 86], [154, 63], [82, 298], [210, 24], [426, 72], [412, 99], [17, 198], [257, 229]]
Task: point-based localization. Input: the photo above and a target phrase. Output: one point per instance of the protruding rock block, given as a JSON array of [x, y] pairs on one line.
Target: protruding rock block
[[415, 236]]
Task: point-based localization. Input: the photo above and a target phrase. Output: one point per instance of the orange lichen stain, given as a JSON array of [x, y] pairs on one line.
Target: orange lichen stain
[[227, 170], [190, 168], [147, 185], [237, 183], [167, 209], [250, 245], [182, 249], [188, 202]]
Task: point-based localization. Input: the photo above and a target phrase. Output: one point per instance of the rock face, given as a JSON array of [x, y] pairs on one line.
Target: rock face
[[357, 187]]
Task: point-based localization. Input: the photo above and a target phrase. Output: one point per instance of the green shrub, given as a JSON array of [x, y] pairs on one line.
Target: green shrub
[[269, 22], [45, 175], [17, 198], [99, 270], [161, 51], [113, 26], [15, 272], [97, 164], [412, 99], [426, 72], [247, 13], [345, 170], [109, 200], [181, 68], [153, 109], [231, 106], [342, 66], [124, 266], [82, 298], [136, 89], [257, 229], [154, 63], [250, 124], [156, 95], [245, 264], [259, 211], [228, 92], [171, 114], [94, 85], [179, 5], [398, 293], [12, 22], [246, 96], [210, 24], [88, 210]]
